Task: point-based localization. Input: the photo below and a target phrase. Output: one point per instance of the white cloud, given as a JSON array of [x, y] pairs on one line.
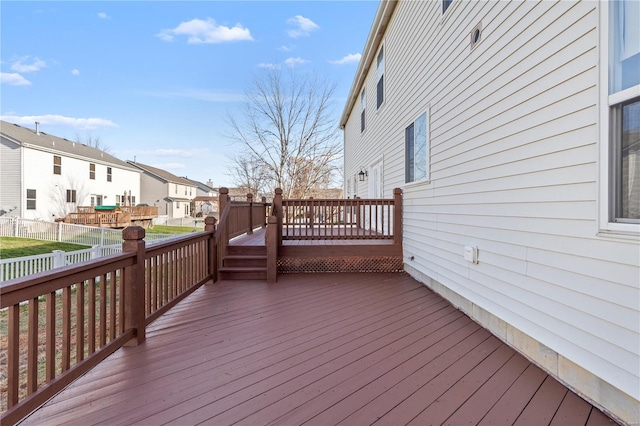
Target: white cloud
[[13, 79], [103, 15], [292, 62], [52, 119], [269, 66], [348, 59], [35, 65], [285, 48], [206, 31], [197, 94], [75, 71], [303, 25]]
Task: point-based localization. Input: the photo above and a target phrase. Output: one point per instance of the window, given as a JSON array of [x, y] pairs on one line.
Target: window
[[118, 200], [624, 112], [380, 85], [71, 195], [31, 199], [133, 200], [363, 104], [176, 191], [445, 5], [92, 171], [416, 150], [57, 165], [109, 174]]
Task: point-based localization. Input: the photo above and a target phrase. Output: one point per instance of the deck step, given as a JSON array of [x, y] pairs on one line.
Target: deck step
[[246, 250], [245, 260], [243, 273]]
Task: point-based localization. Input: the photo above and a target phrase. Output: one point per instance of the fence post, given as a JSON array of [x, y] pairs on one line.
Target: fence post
[[250, 201], [58, 259], [397, 216], [101, 236], [95, 251], [15, 227], [210, 226], [264, 212], [223, 198], [134, 315], [271, 241], [59, 232], [277, 206]]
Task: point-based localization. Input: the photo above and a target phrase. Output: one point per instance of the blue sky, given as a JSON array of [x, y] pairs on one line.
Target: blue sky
[[155, 80]]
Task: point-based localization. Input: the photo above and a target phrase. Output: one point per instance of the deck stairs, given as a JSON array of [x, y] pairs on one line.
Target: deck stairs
[[244, 263]]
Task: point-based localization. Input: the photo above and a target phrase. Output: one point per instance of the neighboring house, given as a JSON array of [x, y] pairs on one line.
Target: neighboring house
[[513, 129], [44, 177], [206, 200], [172, 194]]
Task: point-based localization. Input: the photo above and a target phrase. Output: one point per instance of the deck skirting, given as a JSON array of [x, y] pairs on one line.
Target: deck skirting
[[621, 407], [340, 258]]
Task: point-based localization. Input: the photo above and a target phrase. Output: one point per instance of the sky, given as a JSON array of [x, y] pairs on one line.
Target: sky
[[156, 81]]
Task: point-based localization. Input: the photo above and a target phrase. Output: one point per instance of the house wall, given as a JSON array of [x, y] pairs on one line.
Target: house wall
[[10, 164], [514, 152], [154, 192], [51, 189]]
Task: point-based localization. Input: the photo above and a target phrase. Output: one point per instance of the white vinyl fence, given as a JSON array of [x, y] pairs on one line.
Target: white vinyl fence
[[103, 241], [17, 267]]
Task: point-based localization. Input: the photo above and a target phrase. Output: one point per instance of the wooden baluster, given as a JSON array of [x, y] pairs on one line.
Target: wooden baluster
[[66, 329], [50, 324], [91, 317], [79, 321], [32, 348], [13, 358]]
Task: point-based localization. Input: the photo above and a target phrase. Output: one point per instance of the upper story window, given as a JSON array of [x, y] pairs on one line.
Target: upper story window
[[445, 5], [71, 195], [624, 111], [417, 150], [380, 75], [57, 165], [31, 199], [109, 174], [363, 105], [92, 171]]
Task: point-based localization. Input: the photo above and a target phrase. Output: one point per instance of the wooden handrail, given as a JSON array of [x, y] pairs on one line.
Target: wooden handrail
[[91, 309]]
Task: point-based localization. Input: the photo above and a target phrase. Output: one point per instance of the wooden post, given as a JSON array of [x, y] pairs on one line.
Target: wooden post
[[358, 224], [277, 206], [264, 212], [134, 285], [271, 241], [223, 199], [311, 213], [250, 201], [210, 226], [397, 216]]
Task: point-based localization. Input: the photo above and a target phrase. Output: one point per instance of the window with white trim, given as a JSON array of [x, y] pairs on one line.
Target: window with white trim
[[380, 78], [445, 5], [92, 171], [416, 137], [109, 174], [71, 195], [57, 165], [624, 111], [31, 199]]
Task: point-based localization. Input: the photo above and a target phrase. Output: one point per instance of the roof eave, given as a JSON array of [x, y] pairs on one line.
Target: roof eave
[[376, 34]]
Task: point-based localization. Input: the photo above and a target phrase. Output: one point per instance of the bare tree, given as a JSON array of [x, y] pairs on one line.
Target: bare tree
[[92, 141], [287, 127], [66, 197], [248, 173]]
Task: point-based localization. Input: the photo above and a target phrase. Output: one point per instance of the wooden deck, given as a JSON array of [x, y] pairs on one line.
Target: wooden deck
[[257, 239], [318, 349]]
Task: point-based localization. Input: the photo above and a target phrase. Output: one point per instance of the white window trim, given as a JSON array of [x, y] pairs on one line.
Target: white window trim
[[605, 226], [427, 178]]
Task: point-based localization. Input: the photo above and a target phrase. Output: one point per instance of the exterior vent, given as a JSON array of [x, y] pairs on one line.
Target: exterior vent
[[476, 36]]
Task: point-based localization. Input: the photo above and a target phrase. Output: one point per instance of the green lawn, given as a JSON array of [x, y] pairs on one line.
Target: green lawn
[[18, 247], [164, 229]]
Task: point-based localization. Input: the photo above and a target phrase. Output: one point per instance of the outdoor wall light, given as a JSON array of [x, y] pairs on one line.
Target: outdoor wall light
[[363, 173]]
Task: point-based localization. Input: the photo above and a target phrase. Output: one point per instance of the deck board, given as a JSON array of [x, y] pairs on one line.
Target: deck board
[[320, 349]]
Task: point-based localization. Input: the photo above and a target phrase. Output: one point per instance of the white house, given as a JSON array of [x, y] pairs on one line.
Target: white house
[[513, 129], [206, 199], [172, 194], [45, 177]]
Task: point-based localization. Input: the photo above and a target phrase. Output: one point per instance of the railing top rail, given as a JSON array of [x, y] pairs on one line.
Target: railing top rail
[[182, 240], [341, 200]]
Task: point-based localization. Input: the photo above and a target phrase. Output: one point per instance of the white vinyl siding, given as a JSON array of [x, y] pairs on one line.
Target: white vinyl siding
[[514, 151]]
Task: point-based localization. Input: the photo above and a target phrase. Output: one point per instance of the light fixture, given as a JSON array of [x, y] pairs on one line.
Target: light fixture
[[363, 173]]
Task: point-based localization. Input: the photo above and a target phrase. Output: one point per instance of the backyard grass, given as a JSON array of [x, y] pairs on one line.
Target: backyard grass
[[11, 247], [166, 229]]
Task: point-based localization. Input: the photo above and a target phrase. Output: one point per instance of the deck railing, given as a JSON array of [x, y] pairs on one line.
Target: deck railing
[[345, 219], [61, 323]]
